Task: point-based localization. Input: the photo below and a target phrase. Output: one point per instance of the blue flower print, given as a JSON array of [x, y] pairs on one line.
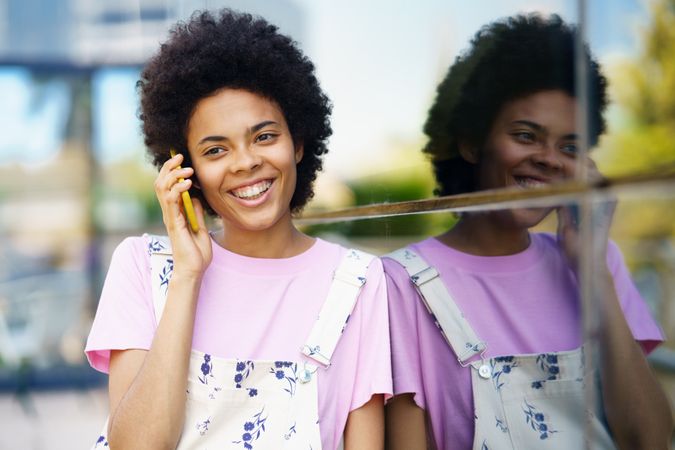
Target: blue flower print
[[155, 245], [313, 350], [548, 363], [291, 432], [501, 425], [536, 421], [538, 384], [243, 369], [484, 446], [345, 325], [203, 427], [165, 275], [507, 359], [252, 392], [206, 369], [353, 255], [252, 430], [289, 372], [471, 346], [507, 364], [101, 441]]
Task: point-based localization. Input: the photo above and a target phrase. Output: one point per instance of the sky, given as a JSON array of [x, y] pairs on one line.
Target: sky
[[378, 60]]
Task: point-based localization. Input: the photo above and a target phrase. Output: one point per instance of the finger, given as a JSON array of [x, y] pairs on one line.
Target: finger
[[172, 204], [199, 212], [165, 181], [169, 165], [568, 218]]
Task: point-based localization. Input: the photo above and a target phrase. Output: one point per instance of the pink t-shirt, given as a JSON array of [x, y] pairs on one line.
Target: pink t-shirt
[[517, 304], [254, 308]]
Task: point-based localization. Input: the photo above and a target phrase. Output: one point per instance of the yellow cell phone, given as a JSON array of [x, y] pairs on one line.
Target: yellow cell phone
[[187, 203]]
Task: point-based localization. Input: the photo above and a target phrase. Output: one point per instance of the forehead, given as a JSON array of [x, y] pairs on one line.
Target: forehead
[[232, 109], [552, 109]]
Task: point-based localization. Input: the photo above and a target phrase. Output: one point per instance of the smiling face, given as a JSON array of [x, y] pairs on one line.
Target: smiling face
[[244, 157], [532, 143]]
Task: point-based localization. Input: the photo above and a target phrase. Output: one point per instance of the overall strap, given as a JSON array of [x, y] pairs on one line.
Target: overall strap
[[440, 304], [348, 279], [161, 269]]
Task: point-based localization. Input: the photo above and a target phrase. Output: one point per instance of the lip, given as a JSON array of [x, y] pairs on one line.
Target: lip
[[257, 201], [251, 183], [518, 178]]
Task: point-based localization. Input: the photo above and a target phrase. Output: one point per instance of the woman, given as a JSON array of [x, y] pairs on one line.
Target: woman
[[498, 363], [239, 358]]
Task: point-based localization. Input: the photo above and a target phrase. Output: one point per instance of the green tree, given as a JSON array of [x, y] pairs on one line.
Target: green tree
[[642, 120]]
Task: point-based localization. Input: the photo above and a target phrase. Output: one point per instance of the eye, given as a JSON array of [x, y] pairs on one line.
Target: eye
[[214, 151], [263, 137], [570, 148], [525, 137]]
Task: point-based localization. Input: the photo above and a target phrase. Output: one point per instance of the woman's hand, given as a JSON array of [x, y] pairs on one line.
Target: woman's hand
[[192, 252], [569, 222]]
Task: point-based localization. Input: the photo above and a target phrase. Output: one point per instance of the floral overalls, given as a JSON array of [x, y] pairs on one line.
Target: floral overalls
[[534, 401], [261, 404]]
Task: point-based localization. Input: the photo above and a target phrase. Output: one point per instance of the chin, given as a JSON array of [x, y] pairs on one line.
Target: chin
[[523, 217]]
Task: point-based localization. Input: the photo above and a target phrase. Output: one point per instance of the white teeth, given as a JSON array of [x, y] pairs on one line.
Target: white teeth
[[529, 182], [253, 191]]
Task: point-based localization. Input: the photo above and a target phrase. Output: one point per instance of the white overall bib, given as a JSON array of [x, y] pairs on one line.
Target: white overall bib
[[521, 402], [261, 404]]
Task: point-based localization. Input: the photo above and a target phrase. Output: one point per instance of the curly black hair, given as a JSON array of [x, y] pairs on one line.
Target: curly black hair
[[507, 59], [233, 50]]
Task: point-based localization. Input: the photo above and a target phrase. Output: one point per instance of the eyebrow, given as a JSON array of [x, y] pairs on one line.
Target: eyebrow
[[537, 127], [253, 129]]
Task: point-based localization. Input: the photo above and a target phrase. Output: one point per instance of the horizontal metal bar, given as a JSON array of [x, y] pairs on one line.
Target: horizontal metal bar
[[495, 199]]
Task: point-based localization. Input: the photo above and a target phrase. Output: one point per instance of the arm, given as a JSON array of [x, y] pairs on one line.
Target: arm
[[365, 426], [637, 410], [147, 388], [405, 424]]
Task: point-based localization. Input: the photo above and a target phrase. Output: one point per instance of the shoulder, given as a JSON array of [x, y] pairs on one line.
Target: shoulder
[[397, 262], [548, 241], [334, 254], [132, 249]]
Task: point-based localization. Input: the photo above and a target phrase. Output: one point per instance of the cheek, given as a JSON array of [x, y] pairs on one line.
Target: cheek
[[207, 179], [569, 168]]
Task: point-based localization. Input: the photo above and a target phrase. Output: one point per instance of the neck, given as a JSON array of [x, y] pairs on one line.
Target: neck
[[482, 234], [281, 240]]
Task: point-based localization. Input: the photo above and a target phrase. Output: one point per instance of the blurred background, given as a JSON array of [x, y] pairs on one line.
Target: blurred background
[[74, 179]]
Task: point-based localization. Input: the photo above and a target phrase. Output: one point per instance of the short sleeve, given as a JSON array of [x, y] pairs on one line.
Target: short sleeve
[[124, 318], [642, 324], [405, 344], [374, 356]]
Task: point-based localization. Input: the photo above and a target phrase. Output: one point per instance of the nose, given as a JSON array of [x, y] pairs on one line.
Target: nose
[[548, 158], [246, 159]]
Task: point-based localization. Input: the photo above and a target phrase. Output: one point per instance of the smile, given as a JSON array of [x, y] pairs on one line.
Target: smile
[[252, 191], [529, 182]]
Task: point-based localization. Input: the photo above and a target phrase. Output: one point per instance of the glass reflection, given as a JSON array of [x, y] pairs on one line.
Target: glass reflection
[[486, 318]]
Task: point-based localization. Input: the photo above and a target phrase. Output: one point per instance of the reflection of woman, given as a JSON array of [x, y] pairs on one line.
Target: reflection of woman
[[239, 330], [506, 371]]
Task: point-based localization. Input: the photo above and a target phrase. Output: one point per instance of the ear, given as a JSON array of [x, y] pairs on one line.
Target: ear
[[468, 151], [299, 153]]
